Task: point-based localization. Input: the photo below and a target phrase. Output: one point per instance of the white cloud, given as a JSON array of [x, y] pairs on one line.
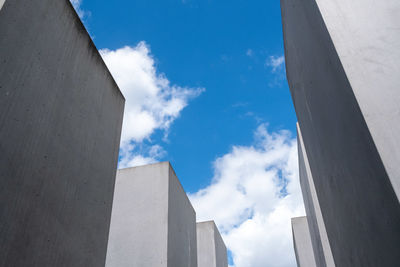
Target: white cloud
[[275, 62], [249, 52], [152, 102], [134, 155], [253, 195], [77, 6]]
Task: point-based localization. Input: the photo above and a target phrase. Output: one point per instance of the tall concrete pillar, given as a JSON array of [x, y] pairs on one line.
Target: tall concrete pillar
[[302, 243], [319, 238], [211, 249], [153, 222], [342, 60], [60, 123]]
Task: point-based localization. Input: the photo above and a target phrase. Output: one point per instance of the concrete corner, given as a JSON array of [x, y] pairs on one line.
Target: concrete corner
[[153, 222], [211, 249], [302, 243]]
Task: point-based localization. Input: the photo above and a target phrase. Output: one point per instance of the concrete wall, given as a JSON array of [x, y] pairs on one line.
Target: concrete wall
[[182, 244], [302, 243], [2, 3], [211, 249], [316, 224], [60, 122], [369, 50], [153, 223], [358, 202]]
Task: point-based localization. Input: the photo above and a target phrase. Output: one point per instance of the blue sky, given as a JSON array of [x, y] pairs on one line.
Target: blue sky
[[206, 89]]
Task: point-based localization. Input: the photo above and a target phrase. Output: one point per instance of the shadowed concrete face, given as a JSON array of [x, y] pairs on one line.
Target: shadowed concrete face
[[316, 225], [211, 250], [302, 243], [354, 182], [60, 122], [153, 222]]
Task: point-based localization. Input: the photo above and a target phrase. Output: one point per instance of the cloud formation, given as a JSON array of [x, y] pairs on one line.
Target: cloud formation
[[253, 195], [275, 62], [152, 102], [77, 6]]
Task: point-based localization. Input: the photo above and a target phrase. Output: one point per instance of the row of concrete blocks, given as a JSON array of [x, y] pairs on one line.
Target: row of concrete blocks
[[154, 224], [310, 238], [60, 124], [342, 64]]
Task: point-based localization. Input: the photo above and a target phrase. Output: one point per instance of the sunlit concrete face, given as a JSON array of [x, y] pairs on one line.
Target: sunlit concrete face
[[60, 122], [153, 222], [302, 243], [334, 52], [316, 224], [369, 50], [211, 249], [2, 3]]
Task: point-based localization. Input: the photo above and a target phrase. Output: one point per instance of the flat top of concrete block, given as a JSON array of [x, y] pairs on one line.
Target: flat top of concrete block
[[212, 225], [154, 165], [298, 219]]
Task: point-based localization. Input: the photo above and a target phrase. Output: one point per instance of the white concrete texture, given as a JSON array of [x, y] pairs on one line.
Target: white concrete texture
[[152, 222], [302, 243], [211, 249], [369, 50], [319, 237]]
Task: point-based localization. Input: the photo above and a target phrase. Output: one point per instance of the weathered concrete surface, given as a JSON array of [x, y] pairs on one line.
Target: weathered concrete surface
[[302, 243], [319, 237], [211, 249], [60, 122], [358, 202], [153, 222]]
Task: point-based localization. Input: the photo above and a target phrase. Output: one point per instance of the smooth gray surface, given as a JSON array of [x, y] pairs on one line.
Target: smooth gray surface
[[182, 244], [302, 243], [60, 122], [211, 249], [153, 222], [369, 50], [358, 203], [319, 237]]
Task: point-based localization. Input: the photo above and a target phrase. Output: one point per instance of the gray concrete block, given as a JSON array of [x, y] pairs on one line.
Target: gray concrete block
[[369, 50], [354, 186], [302, 243], [316, 224], [60, 122], [2, 3], [153, 222], [211, 249]]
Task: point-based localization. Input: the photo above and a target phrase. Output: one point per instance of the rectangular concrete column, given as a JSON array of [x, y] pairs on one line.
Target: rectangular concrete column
[[211, 249], [153, 222], [60, 124], [302, 243], [342, 59], [316, 224]]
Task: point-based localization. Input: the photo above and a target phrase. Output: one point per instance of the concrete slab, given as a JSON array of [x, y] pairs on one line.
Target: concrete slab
[[353, 181], [60, 123], [211, 249], [316, 224], [153, 222], [302, 243]]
